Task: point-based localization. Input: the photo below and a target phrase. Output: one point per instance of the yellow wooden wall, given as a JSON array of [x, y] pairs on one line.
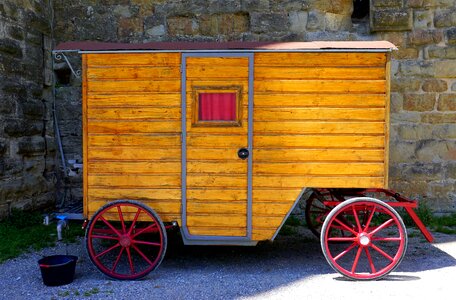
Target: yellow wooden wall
[[319, 121], [132, 146]]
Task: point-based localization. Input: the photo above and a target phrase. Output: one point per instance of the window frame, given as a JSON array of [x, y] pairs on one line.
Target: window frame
[[197, 90]]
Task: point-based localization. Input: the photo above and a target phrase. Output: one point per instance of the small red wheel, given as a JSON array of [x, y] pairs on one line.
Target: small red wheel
[[316, 212], [126, 240], [374, 243]]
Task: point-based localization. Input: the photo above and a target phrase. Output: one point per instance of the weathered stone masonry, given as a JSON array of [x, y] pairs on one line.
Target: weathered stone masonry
[[423, 110]]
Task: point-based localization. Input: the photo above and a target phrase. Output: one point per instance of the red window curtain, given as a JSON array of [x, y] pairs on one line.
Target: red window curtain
[[217, 107]]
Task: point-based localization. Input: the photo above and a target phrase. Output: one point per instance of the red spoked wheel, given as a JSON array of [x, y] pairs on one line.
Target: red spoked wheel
[[375, 241], [316, 212], [126, 240]]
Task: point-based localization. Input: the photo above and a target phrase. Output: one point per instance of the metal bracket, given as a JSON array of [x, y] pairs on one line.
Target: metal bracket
[[59, 56]]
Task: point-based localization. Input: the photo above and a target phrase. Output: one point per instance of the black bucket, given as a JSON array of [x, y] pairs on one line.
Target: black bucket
[[57, 269]]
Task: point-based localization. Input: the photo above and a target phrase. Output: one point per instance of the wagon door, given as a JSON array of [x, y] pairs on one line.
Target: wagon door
[[216, 128]]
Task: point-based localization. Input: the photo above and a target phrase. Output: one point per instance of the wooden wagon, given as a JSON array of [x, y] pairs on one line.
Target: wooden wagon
[[222, 140]]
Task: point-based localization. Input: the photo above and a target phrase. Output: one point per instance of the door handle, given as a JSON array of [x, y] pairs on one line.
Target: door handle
[[243, 153]]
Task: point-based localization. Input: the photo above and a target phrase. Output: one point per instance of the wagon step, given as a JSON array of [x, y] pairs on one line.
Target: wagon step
[[338, 195]]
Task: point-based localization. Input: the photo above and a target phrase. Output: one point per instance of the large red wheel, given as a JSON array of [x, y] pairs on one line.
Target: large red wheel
[[126, 240], [375, 241]]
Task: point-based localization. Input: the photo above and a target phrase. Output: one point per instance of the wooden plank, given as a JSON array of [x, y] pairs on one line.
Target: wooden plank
[[131, 181], [221, 130], [312, 155], [321, 86], [124, 86], [216, 84], [129, 217], [216, 220], [318, 100], [203, 180], [194, 208], [387, 119], [85, 188], [216, 71], [149, 141], [319, 127], [233, 167], [135, 59], [320, 59], [134, 167], [193, 62], [294, 72], [128, 113], [218, 195], [217, 231], [211, 154], [261, 195], [113, 127], [133, 153], [216, 141], [320, 168], [270, 209], [293, 113], [160, 207], [131, 99], [135, 72], [317, 181], [267, 221], [135, 194], [317, 141], [261, 234]]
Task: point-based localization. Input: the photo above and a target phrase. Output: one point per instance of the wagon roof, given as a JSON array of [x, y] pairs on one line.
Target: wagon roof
[[380, 46]]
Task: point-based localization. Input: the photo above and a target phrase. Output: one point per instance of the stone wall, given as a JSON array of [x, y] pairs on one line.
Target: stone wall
[[423, 131], [27, 148]]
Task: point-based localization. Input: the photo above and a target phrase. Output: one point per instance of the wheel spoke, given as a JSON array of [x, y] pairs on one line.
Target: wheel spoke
[[146, 243], [355, 262], [134, 221], [386, 255], [369, 258], [345, 226], [345, 252], [143, 230], [107, 250], [110, 226], [142, 255], [117, 260], [341, 239], [130, 261], [387, 239], [104, 237], [119, 210], [355, 215], [370, 219], [384, 225]]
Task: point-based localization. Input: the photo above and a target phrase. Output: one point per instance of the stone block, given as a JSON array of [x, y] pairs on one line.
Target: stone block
[[298, 21], [267, 22], [444, 131], [255, 5], [401, 84], [3, 146], [419, 102], [423, 171], [184, 25], [434, 85], [451, 36], [10, 47], [445, 18], [415, 132], [221, 7], [414, 68], [434, 150], [33, 110], [406, 53], [7, 106], [316, 20], [414, 3], [447, 102], [130, 27], [423, 19], [387, 3], [16, 32], [343, 7], [37, 22], [402, 151], [396, 102], [453, 86], [442, 52], [451, 171], [31, 146], [438, 117], [422, 37], [125, 11], [17, 128], [391, 20], [155, 31], [445, 69], [337, 22]]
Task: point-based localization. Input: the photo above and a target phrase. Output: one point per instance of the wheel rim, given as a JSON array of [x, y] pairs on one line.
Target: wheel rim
[[374, 243], [125, 240]]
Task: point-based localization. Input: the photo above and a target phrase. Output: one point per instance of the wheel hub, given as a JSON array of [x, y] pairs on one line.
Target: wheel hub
[[363, 240], [125, 241]]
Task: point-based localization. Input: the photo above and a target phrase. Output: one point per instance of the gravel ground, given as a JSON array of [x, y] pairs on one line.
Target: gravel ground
[[292, 267]]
